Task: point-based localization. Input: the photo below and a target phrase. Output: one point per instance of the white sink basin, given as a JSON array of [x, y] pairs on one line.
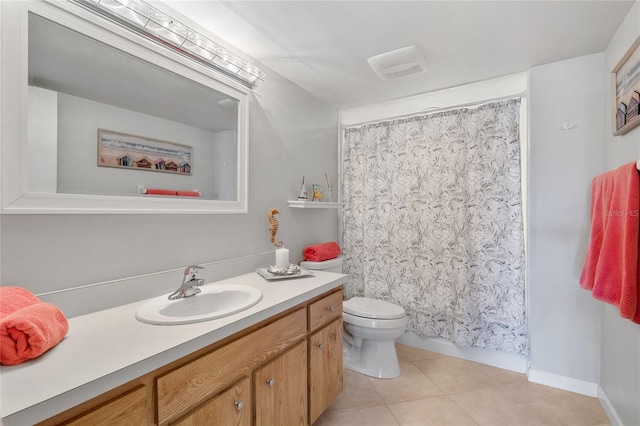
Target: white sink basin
[[215, 301]]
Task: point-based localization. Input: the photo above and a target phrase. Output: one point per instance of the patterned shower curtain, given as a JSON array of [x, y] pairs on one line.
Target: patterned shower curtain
[[432, 221]]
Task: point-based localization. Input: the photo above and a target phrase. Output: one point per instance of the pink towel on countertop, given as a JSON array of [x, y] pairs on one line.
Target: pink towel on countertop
[[320, 252], [28, 326], [611, 266]]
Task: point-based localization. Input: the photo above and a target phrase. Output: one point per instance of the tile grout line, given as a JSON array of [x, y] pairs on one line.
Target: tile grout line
[[446, 395]]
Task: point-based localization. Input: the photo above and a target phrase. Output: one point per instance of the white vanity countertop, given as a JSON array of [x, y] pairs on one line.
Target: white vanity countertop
[[108, 348]]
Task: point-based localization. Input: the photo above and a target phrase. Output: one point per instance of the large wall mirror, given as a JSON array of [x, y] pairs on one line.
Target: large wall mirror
[[110, 122]]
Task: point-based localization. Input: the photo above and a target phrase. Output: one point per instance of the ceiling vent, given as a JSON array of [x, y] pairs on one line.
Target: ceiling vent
[[398, 63]]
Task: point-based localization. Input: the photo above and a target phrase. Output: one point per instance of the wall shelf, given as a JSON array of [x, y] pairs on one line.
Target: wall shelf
[[301, 204]]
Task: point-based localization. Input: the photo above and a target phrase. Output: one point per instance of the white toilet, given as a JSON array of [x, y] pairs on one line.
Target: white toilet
[[371, 327]]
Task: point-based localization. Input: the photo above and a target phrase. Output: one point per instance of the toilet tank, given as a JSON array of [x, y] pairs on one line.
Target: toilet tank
[[331, 265]]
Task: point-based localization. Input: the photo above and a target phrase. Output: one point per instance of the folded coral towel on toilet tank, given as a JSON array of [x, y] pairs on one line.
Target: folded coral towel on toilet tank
[[320, 252], [28, 326]]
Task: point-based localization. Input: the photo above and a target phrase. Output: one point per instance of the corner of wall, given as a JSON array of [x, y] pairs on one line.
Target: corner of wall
[[557, 381], [619, 390], [608, 407]]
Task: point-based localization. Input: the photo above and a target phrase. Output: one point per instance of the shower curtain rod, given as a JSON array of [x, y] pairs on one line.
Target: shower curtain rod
[[431, 110]]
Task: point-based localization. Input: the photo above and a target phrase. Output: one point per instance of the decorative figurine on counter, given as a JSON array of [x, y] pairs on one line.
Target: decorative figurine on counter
[[273, 227], [282, 266], [317, 192]]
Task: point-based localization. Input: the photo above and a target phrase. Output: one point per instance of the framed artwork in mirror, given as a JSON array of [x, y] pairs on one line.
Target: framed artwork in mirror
[[125, 151], [625, 81]]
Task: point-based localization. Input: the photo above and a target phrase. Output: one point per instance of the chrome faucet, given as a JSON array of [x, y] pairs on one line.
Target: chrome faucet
[[190, 284]]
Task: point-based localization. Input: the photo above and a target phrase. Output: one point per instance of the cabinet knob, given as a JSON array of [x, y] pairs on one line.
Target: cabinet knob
[[239, 405], [271, 382], [320, 346], [331, 309]]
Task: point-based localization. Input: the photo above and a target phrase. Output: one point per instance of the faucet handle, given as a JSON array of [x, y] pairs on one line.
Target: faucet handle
[[193, 269]]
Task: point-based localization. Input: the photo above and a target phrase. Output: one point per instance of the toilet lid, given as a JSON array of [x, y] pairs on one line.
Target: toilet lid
[[372, 308]]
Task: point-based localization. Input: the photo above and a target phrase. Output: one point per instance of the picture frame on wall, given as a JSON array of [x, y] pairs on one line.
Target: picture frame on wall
[[126, 151], [625, 81]]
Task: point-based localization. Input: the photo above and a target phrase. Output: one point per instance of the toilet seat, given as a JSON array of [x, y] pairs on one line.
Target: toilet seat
[[365, 307], [373, 323]]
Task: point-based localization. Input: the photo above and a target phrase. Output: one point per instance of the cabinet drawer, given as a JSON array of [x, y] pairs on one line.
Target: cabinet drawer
[[185, 387], [325, 310], [128, 409]]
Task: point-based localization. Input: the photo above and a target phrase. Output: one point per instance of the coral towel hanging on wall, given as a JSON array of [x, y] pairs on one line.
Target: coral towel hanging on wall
[[611, 266]]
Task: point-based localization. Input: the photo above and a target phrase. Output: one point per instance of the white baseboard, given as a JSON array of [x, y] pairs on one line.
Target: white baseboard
[[562, 382], [506, 361], [608, 407]]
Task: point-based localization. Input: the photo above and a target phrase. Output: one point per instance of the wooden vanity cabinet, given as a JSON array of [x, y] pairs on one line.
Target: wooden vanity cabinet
[[284, 371]]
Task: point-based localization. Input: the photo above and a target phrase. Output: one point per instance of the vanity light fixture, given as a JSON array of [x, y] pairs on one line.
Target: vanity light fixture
[[163, 29]]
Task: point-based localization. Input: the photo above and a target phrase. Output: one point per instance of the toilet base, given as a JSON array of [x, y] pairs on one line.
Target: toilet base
[[375, 358]]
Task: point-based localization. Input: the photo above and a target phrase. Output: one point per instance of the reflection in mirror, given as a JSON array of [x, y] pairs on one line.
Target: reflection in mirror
[[78, 85]]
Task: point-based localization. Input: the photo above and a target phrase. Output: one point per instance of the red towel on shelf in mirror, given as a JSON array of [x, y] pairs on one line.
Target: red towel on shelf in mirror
[[172, 192], [28, 326], [320, 252], [188, 193], [611, 266], [156, 191]]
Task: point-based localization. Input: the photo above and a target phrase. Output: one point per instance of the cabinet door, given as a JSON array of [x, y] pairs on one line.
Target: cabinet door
[[325, 368], [230, 408], [281, 389]]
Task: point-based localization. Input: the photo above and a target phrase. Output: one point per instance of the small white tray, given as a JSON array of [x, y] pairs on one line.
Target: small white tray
[[269, 276]]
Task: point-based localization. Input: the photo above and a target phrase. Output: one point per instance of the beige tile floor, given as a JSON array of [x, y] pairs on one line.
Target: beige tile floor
[[439, 390]]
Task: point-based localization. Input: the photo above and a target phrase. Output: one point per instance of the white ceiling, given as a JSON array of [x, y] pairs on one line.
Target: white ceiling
[[323, 46]]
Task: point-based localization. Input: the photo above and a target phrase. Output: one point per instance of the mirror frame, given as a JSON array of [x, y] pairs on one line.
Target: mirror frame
[[14, 195]]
